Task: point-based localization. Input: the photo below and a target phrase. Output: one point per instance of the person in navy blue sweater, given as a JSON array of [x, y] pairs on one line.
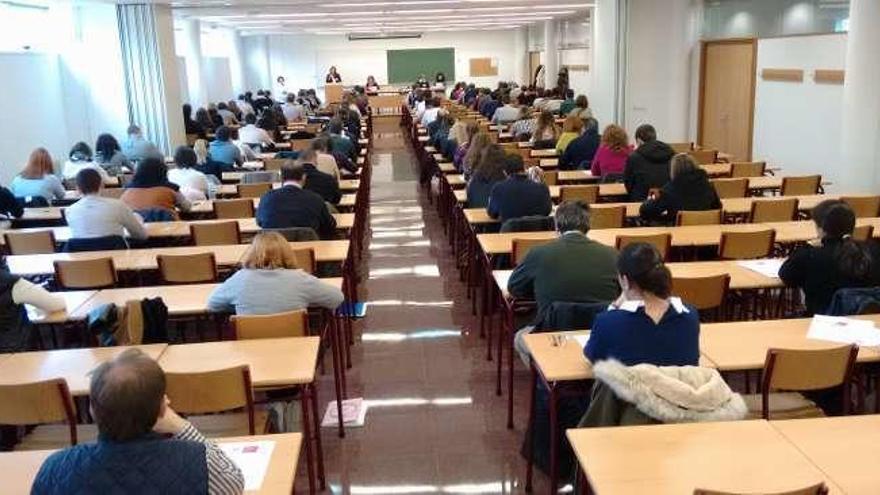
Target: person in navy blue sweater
[[645, 324], [580, 152], [517, 196]]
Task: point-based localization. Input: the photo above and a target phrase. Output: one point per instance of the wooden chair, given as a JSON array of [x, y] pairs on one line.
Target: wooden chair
[[46, 403], [703, 293], [731, 188], [588, 194], [746, 245], [196, 394], [801, 186], [112, 192], [863, 233], [254, 190], [215, 233], [274, 164], [306, 260], [225, 209], [704, 157], [862, 206], [681, 147], [662, 242], [708, 217], [820, 489], [773, 210], [551, 177], [611, 217], [96, 273], [287, 324], [801, 370], [198, 268], [521, 248], [35, 242], [747, 169]]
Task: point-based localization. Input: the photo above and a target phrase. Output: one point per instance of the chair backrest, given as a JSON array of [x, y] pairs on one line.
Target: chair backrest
[[254, 190], [611, 217], [187, 268], [97, 273], [863, 206], [551, 177], [731, 188], [747, 169], [774, 210], [587, 193], [306, 260], [681, 147], [800, 186], [704, 157], [707, 217], [287, 324], [820, 489], [36, 242], [212, 391], [521, 248], [703, 293], [746, 245], [807, 369], [663, 242], [214, 233], [299, 144], [36, 403], [863, 232], [233, 208], [531, 223]]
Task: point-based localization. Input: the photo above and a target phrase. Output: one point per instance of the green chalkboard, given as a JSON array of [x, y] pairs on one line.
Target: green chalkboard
[[405, 66]]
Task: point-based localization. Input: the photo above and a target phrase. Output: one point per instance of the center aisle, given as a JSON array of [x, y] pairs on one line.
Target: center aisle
[[434, 424]]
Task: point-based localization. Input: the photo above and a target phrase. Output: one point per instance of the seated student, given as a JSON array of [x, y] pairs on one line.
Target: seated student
[[372, 86], [16, 333], [552, 103], [571, 130], [546, 133], [80, 157], [203, 118], [489, 105], [581, 108], [432, 106], [191, 126], [325, 161], [833, 261], [292, 206], [689, 189], [489, 170], [137, 148], [133, 453], [580, 152], [645, 324], [339, 142], [103, 221], [37, 180], [614, 149], [222, 150], [458, 157], [207, 166], [568, 104], [524, 125], [109, 155], [293, 111], [648, 166], [226, 114], [518, 196], [506, 113], [325, 185], [9, 206], [151, 194], [252, 135], [193, 184]]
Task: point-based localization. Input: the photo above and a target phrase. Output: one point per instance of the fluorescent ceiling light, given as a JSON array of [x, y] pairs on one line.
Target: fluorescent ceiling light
[[467, 11]]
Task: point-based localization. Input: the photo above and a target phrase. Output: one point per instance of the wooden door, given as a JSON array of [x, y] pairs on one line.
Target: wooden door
[[727, 96]]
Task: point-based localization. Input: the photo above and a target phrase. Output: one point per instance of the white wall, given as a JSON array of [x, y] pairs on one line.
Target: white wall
[[797, 125], [218, 77]]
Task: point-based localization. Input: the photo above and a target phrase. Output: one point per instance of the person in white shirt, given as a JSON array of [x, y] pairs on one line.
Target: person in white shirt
[[98, 216], [421, 105], [193, 184], [293, 111], [80, 157], [326, 161], [432, 107], [507, 113], [253, 135], [227, 115]]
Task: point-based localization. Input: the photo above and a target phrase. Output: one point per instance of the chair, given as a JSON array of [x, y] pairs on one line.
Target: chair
[[299, 144], [707, 217], [112, 192], [746, 245], [747, 169], [42, 403], [254, 190], [681, 147], [801, 186], [187, 268], [863, 233], [820, 489], [731, 188], [703, 293], [551, 177], [801, 370], [704, 157], [588, 194], [287, 324], [773, 210], [35, 242], [196, 394], [233, 208], [215, 233], [96, 273], [612, 217], [521, 248], [863, 206], [306, 260], [662, 242], [530, 223]]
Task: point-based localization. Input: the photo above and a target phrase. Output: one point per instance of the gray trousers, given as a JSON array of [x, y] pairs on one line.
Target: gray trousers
[[519, 343]]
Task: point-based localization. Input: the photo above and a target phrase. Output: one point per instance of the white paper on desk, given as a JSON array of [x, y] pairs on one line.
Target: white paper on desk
[[768, 268], [580, 339], [252, 458], [844, 330]]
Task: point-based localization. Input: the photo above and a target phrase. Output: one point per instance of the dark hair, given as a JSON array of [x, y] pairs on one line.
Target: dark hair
[[572, 215], [151, 172], [514, 164], [646, 133], [320, 144], [642, 264], [250, 119], [134, 129], [105, 146], [335, 126], [222, 106], [88, 181], [126, 395], [222, 133], [80, 152], [292, 171], [491, 164], [185, 157], [187, 111], [837, 220]]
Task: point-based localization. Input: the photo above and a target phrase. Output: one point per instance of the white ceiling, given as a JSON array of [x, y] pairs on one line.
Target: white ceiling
[[376, 16]]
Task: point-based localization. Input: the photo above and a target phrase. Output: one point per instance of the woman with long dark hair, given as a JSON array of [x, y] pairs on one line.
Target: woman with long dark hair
[[151, 190], [108, 154]]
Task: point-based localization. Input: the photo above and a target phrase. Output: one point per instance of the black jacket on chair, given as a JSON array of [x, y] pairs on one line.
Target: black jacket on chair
[[647, 168], [517, 196], [324, 185], [291, 206], [690, 191]]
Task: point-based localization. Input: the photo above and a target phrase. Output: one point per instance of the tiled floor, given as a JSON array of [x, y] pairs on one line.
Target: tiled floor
[[435, 424]]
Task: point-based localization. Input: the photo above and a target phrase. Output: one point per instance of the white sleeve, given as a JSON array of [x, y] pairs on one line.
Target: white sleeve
[[24, 292], [132, 222]]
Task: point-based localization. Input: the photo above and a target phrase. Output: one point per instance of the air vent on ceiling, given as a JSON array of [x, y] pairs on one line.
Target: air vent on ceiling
[[382, 36]]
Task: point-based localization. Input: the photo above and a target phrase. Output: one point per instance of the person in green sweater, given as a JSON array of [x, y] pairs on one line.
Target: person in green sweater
[[568, 104]]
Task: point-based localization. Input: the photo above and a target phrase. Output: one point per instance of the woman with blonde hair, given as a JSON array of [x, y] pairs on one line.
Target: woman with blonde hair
[[571, 130], [546, 133], [688, 189], [272, 281], [614, 149], [479, 142], [37, 179]]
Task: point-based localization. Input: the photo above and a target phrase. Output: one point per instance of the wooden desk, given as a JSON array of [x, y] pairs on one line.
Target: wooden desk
[[559, 364], [73, 300], [74, 365], [674, 459], [846, 449], [712, 169], [20, 469]]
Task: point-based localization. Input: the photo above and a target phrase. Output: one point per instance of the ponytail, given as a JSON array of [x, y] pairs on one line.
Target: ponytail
[[642, 264], [853, 259], [838, 221]]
